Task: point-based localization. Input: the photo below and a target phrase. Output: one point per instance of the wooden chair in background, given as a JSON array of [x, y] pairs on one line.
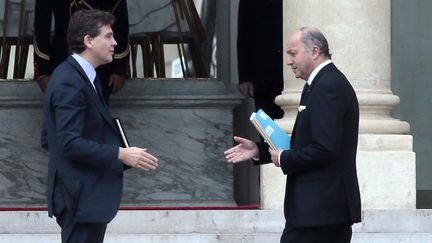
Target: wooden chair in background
[[14, 37], [188, 41]]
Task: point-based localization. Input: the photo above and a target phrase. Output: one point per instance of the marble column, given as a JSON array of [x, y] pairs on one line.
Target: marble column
[[359, 37]]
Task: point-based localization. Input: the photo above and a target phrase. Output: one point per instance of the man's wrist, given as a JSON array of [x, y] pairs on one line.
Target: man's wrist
[[279, 157], [120, 154]]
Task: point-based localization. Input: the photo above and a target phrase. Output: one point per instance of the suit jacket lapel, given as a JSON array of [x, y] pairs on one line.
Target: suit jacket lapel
[[305, 94], [326, 68], [99, 103]]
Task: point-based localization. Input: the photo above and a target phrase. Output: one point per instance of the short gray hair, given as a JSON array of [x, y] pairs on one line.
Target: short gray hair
[[313, 37]]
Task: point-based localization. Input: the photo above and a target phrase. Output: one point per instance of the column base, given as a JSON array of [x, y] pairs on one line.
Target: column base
[[386, 173]]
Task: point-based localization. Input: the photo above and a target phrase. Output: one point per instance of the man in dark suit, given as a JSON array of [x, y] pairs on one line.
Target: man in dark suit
[[49, 51], [86, 160], [259, 53], [322, 198]]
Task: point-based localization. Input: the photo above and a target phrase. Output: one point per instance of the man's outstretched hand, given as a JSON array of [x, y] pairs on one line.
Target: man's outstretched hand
[[138, 158], [245, 150]]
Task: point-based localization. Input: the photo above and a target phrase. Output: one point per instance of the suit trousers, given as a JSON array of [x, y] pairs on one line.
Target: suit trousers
[[76, 232], [340, 233], [71, 231]]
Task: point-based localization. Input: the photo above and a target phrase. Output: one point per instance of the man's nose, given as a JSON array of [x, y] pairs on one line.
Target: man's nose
[[114, 42], [289, 61]]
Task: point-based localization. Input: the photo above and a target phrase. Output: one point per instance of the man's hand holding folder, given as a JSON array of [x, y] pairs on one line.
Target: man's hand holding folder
[[133, 156], [276, 138]]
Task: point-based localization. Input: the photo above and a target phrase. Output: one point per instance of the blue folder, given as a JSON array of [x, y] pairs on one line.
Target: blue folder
[[276, 138]]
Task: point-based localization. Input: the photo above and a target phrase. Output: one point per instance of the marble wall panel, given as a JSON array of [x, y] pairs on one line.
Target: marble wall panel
[[187, 131], [189, 144]]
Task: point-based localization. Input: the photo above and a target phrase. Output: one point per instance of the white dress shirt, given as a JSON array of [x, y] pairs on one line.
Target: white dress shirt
[[87, 67]]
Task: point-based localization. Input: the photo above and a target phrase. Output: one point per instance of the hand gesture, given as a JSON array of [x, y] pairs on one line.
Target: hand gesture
[[138, 158], [245, 150]]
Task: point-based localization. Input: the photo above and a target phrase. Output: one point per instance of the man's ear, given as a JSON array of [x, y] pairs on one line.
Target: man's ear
[[88, 41], [316, 51]]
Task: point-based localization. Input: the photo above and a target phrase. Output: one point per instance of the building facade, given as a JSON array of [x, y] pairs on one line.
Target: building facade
[[382, 47]]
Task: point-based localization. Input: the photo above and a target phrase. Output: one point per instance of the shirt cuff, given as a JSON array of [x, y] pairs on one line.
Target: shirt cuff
[[279, 157]]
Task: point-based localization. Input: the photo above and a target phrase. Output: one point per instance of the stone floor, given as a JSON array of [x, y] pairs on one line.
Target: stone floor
[[211, 226]]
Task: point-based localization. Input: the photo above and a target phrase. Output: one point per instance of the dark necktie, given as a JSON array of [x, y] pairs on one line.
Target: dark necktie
[[97, 85], [304, 94]]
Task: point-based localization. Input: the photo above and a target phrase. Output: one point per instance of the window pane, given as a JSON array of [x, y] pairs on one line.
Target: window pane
[[169, 38], [175, 37]]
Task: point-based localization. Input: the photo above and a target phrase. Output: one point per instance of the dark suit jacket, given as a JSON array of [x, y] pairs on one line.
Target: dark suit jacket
[[259, 46], [50, 51], [84, 173], [322, 186]]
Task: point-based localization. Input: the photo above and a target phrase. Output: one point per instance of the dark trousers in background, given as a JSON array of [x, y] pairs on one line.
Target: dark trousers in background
[[269, 107], [322, 234]]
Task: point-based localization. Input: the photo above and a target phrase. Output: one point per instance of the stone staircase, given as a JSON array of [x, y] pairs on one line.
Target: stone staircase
[[212, 226]]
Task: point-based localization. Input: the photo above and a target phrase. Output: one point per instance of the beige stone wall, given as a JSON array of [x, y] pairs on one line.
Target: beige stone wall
[[358, 33]]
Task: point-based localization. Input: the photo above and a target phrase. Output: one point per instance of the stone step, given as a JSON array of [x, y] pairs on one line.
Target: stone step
[[215, 238], [157, 238], [212, 226]]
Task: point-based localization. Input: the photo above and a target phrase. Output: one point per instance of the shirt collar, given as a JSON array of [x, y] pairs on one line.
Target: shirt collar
[[87, 67], [316, 70]]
